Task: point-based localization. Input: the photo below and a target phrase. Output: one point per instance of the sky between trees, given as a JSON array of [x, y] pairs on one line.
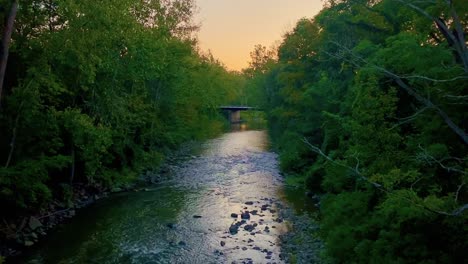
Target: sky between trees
[[231, 28]]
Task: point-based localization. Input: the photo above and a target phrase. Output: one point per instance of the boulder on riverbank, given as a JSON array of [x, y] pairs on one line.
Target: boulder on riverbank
[[34, 223]]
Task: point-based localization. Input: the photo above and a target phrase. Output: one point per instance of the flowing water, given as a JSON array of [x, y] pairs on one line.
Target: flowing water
[[186, 219]]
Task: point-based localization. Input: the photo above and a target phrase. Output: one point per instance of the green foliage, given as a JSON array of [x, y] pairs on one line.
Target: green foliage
[[391, 166], [97, 93], [24, 184]]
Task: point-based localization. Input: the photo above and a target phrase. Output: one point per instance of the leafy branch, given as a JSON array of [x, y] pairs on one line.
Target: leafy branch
[[359, 62], [456, 212]]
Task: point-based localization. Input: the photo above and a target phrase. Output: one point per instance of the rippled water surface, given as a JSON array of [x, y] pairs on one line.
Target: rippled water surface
[[186, 219]]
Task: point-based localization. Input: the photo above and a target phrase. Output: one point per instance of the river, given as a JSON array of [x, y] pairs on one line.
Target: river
[[188, 217]]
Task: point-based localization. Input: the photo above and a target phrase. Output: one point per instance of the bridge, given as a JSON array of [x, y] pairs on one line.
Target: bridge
[[234, 112]]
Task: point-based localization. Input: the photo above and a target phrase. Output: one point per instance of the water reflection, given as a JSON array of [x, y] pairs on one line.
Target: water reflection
[[187, 219]]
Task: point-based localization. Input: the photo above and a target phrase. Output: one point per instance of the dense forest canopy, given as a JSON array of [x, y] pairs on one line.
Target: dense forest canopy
[[96, 92], [367, 105]]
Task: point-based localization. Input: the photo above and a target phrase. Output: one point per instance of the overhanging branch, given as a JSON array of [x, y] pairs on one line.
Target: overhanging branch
[[359, 61], [456, 212]]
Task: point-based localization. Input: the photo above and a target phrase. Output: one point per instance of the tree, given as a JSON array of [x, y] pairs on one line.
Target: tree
[[99, 93], [5, 43], [366, 107]]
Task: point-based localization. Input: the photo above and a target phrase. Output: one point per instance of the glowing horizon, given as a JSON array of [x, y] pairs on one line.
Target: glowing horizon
[[231, 28]]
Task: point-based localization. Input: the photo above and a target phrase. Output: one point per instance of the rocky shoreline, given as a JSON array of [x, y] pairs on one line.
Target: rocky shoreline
[[302, 243], [21, 233], [17, 235], [299, 245]]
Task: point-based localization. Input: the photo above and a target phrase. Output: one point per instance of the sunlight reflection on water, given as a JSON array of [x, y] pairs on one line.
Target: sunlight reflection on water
[[159, 226]]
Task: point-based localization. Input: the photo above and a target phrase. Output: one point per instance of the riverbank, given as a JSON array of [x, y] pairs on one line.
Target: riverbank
[[188, 216], [302, 242], [23, 233]]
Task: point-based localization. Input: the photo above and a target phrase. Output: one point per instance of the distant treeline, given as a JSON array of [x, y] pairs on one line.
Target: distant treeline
[[97, 91], [367, 102]]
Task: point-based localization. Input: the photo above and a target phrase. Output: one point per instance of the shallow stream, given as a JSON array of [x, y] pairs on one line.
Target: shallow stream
[[187, 218]]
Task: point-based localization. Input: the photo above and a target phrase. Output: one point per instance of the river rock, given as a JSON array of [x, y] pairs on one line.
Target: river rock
[[249, 228], [234, 215], [72, 213], [249, 203], [222, 243], [116, 190], [182, 243], [34, 223], [245, 215], [233, 229]]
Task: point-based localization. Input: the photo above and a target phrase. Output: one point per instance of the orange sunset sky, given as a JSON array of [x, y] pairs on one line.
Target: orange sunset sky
[[231, 28]]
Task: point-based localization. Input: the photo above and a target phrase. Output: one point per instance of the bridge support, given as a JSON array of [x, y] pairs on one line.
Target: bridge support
[[233, 112], [234, 116]]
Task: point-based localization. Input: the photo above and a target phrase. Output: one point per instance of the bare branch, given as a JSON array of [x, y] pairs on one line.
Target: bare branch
[[463, 77], [455, 212], [355, 169], [358, 61], [460, 187], [415, 182], [409, 118], [457, 41], [431, 159], [456, 97]]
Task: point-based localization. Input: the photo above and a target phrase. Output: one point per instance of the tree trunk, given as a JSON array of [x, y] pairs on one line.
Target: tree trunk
[[4, 45], [13, 137], [72, 167]]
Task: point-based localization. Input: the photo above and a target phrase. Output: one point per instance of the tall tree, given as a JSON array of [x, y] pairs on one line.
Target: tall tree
[[5, 43]]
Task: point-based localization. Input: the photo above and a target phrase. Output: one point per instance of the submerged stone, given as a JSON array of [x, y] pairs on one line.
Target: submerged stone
[[233, 229], [249, 228], [245, 215]]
